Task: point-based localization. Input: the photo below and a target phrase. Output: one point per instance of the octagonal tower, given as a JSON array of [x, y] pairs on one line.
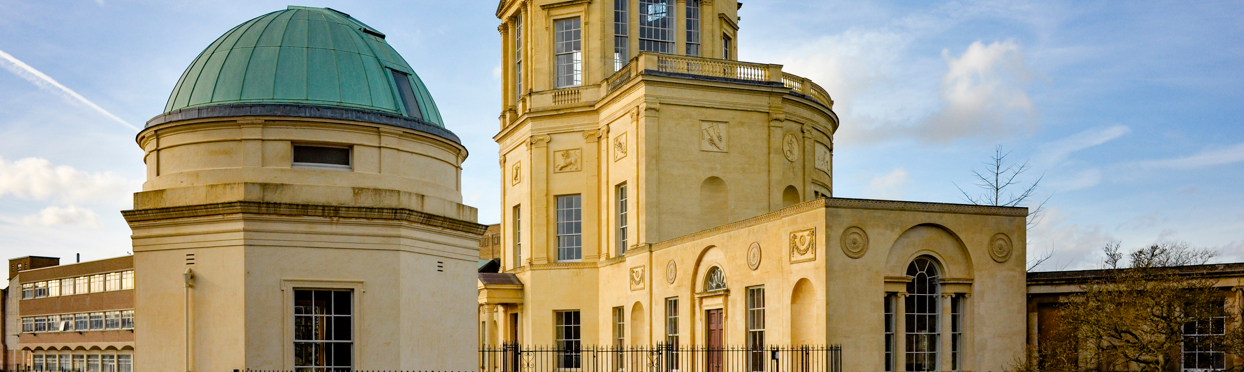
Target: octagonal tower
[[303, 207]]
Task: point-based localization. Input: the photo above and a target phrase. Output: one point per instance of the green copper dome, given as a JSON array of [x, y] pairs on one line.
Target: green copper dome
[[315, 57]]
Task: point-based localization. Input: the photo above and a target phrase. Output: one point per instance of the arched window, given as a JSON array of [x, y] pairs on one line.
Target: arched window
[[715, 280], [922, 309]]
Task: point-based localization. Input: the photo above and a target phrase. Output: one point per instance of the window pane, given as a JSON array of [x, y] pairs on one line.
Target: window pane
[[656, 26], [569, 228], [339, 156], [404, 91], [567, 45], [693, 27]]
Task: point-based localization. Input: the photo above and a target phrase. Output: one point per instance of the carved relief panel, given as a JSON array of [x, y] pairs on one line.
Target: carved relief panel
[[803, 245], [619, 147], [714, 136], [567, 160], [515, 174], [823, 158], [790, 147], [637, 278]]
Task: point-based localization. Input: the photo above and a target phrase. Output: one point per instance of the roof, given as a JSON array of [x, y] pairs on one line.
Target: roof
[[305, 56], [499, 279], [1084, 276]]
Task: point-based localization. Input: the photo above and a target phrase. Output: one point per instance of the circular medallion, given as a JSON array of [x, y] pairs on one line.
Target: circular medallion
[[671, 272], [753, 256], [1000, 247], [854, 242], [790, 147]]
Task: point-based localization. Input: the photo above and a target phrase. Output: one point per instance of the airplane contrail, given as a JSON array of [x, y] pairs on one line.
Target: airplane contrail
[[21, 69]]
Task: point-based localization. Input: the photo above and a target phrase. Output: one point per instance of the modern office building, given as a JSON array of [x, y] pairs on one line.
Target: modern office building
[[658, 190], [74, 317]]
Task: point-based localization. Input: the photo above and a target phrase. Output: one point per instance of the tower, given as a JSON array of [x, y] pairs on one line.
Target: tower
[[302, 208], [629, 122]]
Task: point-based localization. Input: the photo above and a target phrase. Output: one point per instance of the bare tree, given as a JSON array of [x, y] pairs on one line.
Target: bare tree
[[1002, 185]]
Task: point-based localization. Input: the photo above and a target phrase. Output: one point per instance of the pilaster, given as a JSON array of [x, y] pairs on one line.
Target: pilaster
[[646, 146], [541, 249], [593, 200], [944, 355]]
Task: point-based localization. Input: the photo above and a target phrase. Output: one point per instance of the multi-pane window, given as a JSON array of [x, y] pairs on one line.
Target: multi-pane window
[[97, 321], [28, 291], [53, 288], [621, 219], [81, 322], [112, 320], [671, 328], [66, 287], [79, 362], [619, 337], [621, 33], [92, 363], [54, 323], [127, 319], [37, 363], [956, 332], [725, 46], [41, 289], [65, 362], [566, 334], [82, 285], [889, 333], [97, 283], [518, 236], [693, 27], [568, 55], [518, 56], [569, 228], [756, 328], [656, 26], [110, 363], [323, 330], [41, 324], [922, 314], [112, 282], [125, 363], [127, 279], [1200, 351], [28, 325]]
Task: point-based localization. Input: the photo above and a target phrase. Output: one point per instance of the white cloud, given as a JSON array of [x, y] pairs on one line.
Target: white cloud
[[63, 216], [889, 186], [1057, 151], [982, 94], [38, 179], [21, 69], [1074, 246], [1206, 158]]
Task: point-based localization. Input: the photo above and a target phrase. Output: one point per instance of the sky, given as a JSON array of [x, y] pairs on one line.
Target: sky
[[1127, 112]]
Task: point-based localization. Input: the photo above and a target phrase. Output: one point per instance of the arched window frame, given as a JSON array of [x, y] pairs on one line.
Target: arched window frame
[[922, 312], [715, 279]]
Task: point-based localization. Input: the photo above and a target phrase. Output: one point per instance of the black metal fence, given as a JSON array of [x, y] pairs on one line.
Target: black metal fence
[[660, 358]]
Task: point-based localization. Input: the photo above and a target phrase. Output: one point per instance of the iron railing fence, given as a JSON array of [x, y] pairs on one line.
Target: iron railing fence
[[660, 358]]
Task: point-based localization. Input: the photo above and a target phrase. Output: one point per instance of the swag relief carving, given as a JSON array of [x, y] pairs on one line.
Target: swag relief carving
[[803, 245]]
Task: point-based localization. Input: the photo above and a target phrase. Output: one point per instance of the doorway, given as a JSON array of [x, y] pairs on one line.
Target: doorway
[[716, 340]]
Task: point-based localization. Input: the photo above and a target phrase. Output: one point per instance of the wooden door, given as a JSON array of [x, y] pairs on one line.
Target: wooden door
[[716, 340]]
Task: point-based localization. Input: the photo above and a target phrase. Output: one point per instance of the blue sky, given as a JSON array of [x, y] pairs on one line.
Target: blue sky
[[1130, 110]]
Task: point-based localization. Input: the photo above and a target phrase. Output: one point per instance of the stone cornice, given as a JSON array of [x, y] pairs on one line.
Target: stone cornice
[[303, 210]]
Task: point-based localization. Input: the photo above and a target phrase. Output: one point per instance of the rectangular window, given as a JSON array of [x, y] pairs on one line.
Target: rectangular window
[[725, 46], [65, 362], [81, 322], [518, 57], [53, 288], [28, 291], [66, 323], [54, 323], [407, 94], [756, 328], [656, 26], [127, 279], [41, 324], [956, 332], [569, 228], [110, 363], [79, 362], [619, 338], [568, 46], [671, 328], [112, 320], [41, 289], [621, 219], [621, 33], [566, 333], [28, 325], [322, 157], [97, 321], [92, 363], [693, 28], [112, 282], [82, 285], [66, 287], [125, 363], [97, 283], [37, 365], [323, 330], [127, 319], [1200, 351], [50, 362], [889, 333], [518, 236]]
